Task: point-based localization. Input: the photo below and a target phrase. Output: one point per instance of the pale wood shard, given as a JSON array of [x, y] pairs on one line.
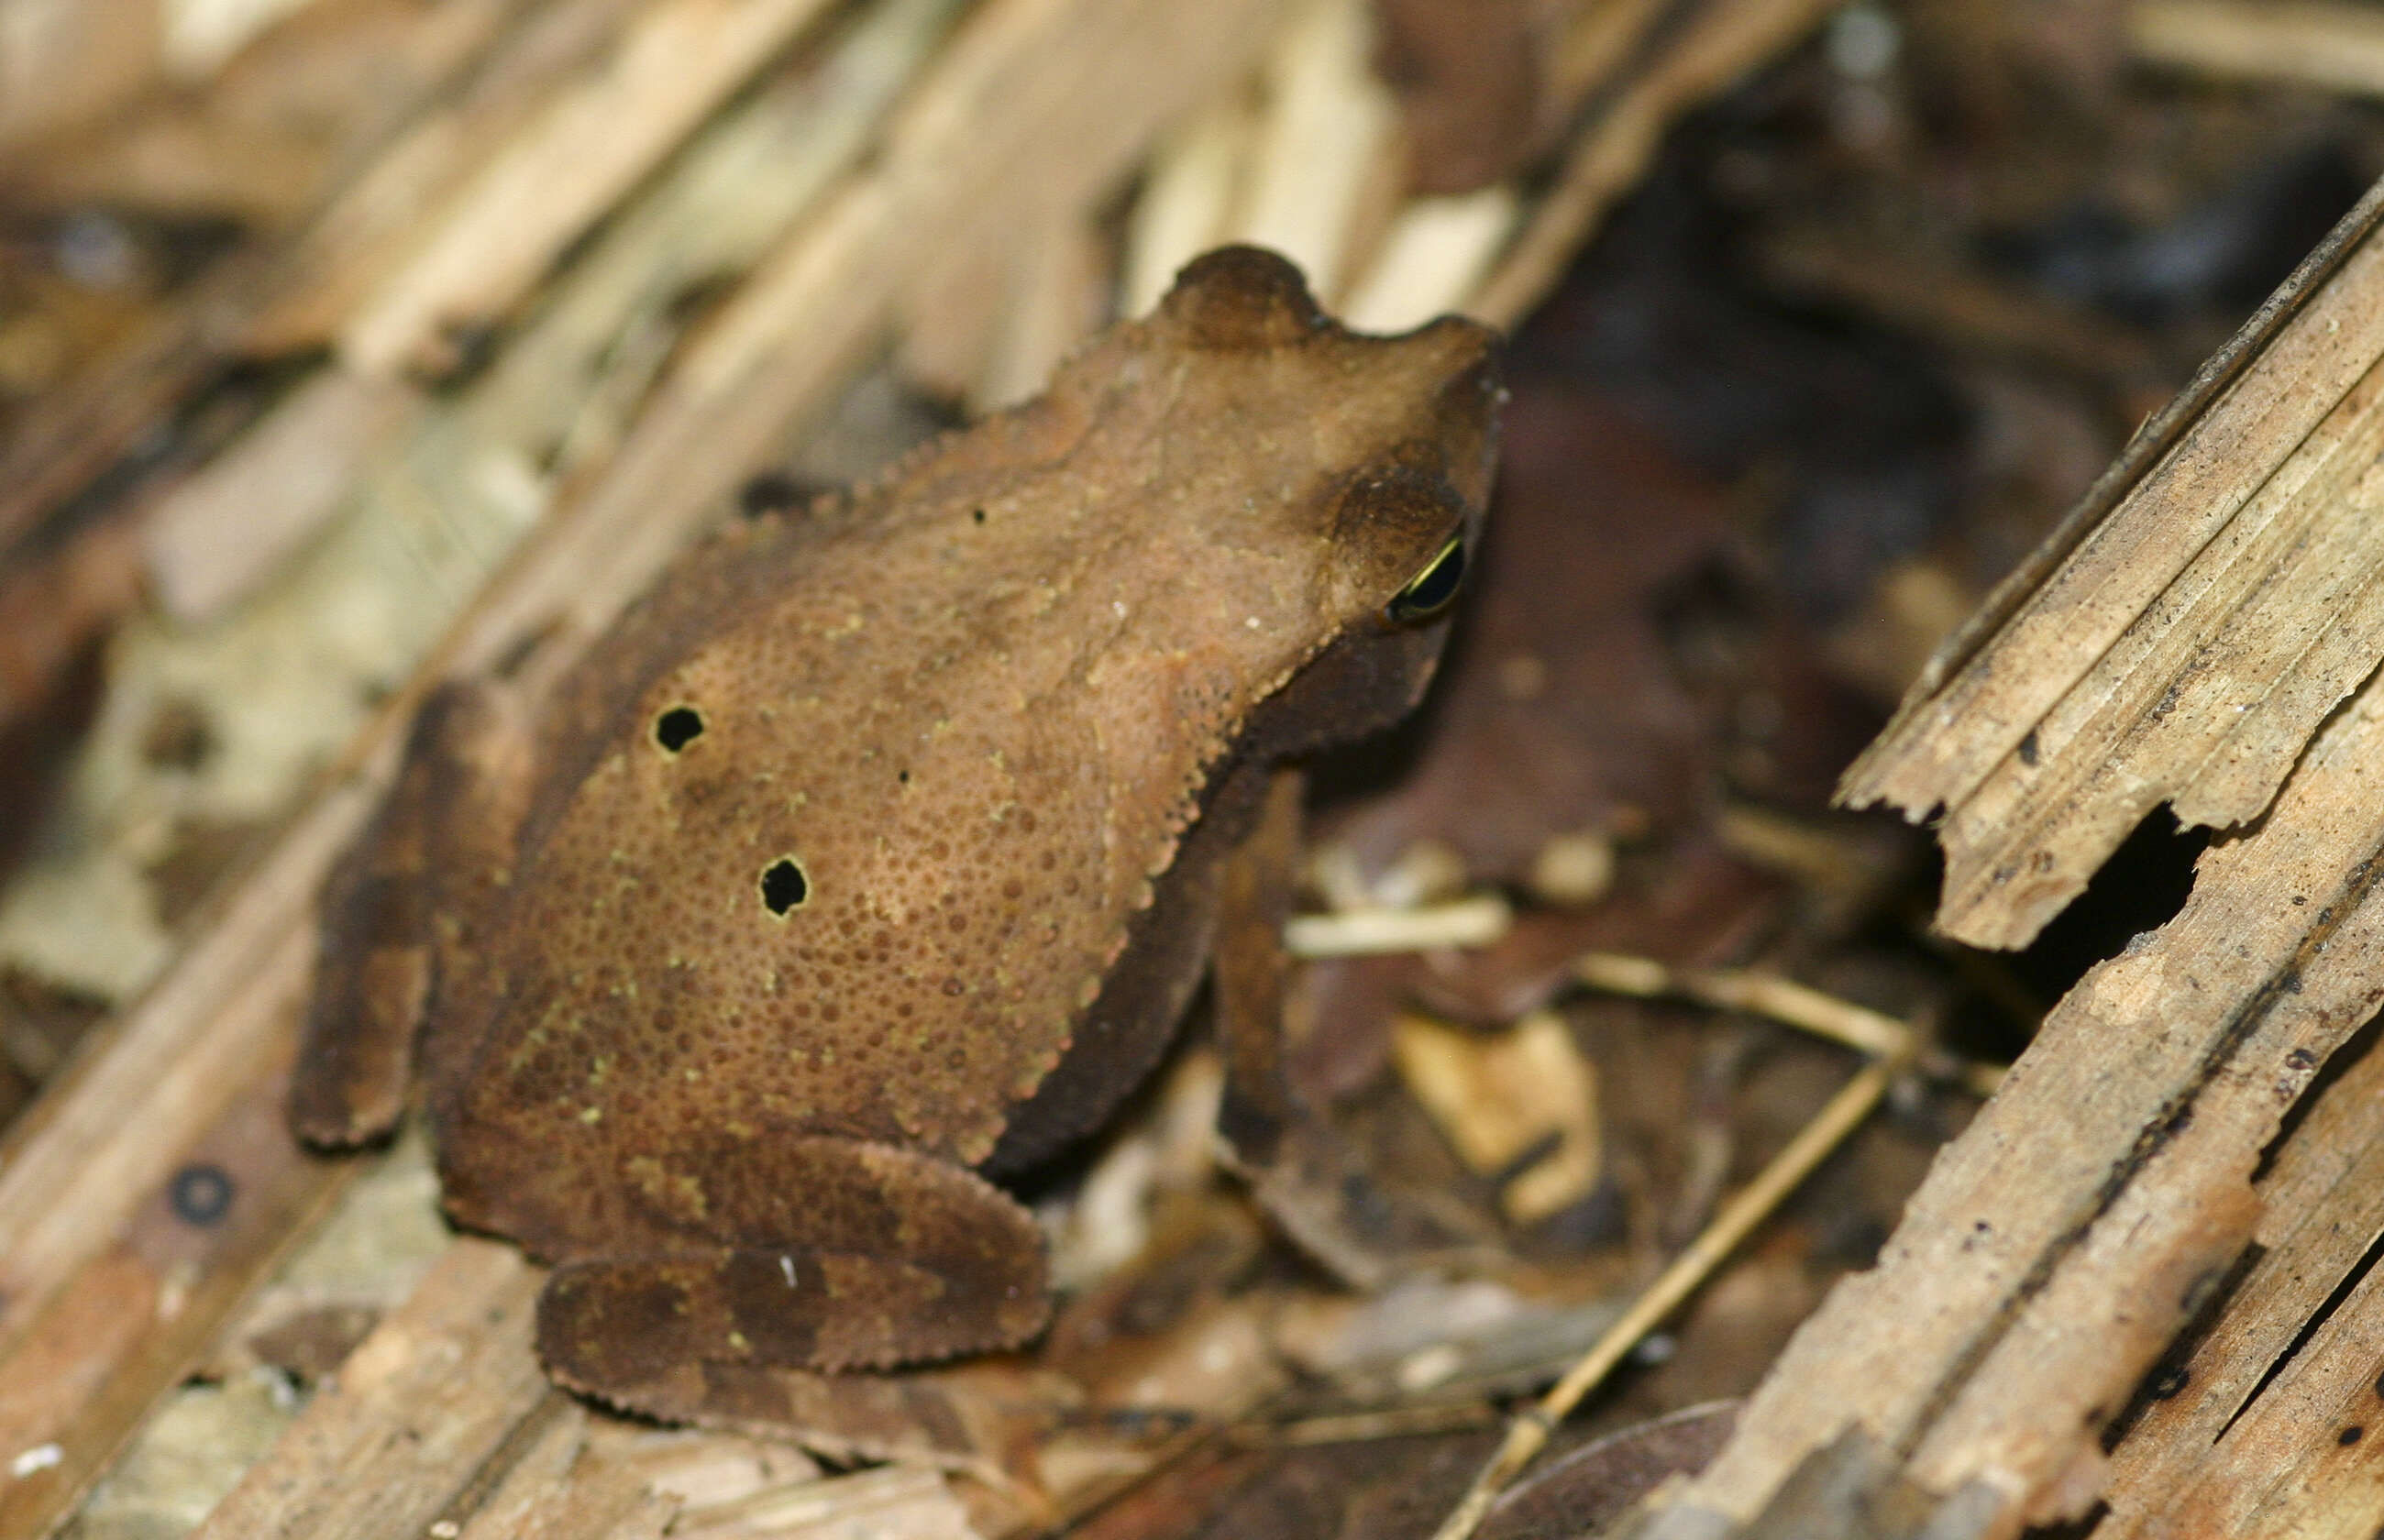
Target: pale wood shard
[[420, 1410], [1432, 259], [893, 1502], [65, 60], [1058, 295], [2183, 635], [1521, 1107], [2332, 46], [2061, 1241], [556, 1491], [675, 64], [1187, 192], [217, 535], [201, 34], [1326, 122]]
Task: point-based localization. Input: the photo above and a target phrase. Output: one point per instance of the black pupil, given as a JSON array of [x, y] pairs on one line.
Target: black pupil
[[678, 728], [1431, 593], [783, 886]]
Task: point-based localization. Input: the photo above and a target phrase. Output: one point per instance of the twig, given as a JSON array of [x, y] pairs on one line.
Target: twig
[[1722, 44], [1737, 1218], [1779, 999], [1757, 994], [1359, 1427], [1475, 922]]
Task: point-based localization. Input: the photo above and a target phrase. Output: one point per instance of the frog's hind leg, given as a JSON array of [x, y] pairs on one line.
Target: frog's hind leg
[[810, 1254], [398, 912]]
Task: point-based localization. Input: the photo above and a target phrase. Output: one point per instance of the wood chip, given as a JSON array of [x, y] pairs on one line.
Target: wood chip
[[1187, 192], [1326, 121], [555, 1492], [64, 60], [1433, 259], [199, 35], [1501, 1096]]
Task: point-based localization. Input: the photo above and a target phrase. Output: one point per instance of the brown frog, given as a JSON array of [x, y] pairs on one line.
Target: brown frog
[[876, 851]]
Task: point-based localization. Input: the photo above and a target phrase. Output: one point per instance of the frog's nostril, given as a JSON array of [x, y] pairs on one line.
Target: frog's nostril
[[678, 728], [784, 887]]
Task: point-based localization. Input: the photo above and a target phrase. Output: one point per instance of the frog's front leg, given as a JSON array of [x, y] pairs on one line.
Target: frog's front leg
[[1296, 1163], [797, 1252], [401, 914]]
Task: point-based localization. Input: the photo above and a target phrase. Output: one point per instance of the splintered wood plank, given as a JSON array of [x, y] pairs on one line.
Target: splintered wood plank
[[2189, 1454], [2079, 1220], [2298, 1463], [2180, 638], [419, 1414]]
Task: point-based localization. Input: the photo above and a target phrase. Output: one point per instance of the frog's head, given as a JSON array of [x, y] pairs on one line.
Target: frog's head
[[1404, 433]]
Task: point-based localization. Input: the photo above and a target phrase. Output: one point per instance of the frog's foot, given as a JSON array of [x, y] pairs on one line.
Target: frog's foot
[[1318, 1189], [610, 1320], [879, 1257]]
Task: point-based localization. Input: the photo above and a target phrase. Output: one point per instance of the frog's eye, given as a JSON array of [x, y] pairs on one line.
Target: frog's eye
[[784, 885], [1433, 589]]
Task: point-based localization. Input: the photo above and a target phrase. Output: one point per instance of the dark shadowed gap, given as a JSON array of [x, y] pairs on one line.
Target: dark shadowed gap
[[2141, 888]]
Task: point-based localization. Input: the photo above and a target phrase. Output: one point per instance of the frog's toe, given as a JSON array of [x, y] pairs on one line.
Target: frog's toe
[[617, 1322]]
